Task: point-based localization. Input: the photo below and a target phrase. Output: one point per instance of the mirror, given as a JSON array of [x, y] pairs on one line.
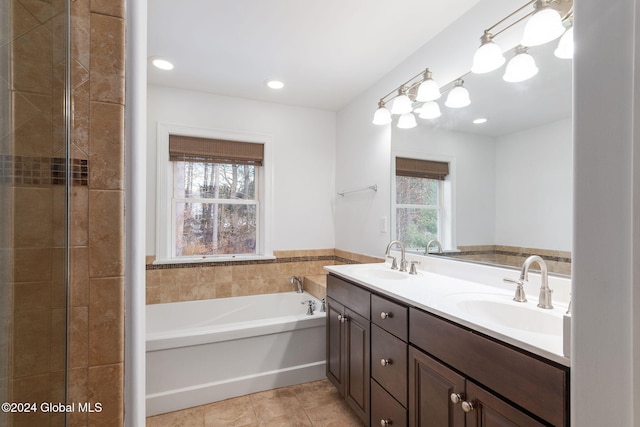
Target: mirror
[[509, 190]]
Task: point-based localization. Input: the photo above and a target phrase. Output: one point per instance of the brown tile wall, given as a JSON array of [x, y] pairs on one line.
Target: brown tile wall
[[96, 353], [187, 282], [557, 261]]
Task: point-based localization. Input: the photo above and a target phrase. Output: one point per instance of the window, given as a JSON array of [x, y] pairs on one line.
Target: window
[[216, 209], [213, 204], [420, 202]]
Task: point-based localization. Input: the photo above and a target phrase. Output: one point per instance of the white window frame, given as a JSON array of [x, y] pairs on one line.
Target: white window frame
[[446, 213], [165, 209]]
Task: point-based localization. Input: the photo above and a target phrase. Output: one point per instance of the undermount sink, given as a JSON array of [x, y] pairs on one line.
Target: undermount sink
[[380, 273], [501, 310]]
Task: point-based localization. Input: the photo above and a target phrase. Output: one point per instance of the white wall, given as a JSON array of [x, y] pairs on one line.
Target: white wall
[[605, 382], [534, 186], [303, 153], [472, 169]]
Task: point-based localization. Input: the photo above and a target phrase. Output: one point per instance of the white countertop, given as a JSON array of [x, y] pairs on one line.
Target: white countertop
[[441, 294]]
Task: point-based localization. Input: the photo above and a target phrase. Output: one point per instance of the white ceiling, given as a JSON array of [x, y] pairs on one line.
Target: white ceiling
[[327, 52]]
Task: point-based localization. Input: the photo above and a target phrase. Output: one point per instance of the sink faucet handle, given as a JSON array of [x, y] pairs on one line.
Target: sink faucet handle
[[394, 262], [520, 296], [412, 269]]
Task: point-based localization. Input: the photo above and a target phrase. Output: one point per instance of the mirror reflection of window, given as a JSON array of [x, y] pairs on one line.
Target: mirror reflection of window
[[420, 202]]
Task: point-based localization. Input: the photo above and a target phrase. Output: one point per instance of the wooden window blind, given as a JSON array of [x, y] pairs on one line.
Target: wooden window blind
[[195, 149], [421, 168]]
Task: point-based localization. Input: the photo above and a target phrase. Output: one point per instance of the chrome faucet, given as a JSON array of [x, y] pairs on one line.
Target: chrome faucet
[[297, 281], [403, 260], [310, 307], [544, 301], [433, 242]]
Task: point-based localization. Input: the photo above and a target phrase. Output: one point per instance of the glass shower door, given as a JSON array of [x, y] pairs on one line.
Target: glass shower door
[[33, 211]]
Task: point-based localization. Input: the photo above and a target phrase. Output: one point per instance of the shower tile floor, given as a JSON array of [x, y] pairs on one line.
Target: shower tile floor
[[311, 404]]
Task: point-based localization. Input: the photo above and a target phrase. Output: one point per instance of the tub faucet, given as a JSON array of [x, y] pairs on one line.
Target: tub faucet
[[310, 307], [297, 281], [403, 260], [544, 301], [433, 242]]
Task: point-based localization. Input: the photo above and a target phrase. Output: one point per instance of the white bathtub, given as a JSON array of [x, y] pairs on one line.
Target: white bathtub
[[204, 351]]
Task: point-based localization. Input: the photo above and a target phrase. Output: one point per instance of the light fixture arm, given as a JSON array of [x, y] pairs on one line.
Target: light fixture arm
[[509, 16]]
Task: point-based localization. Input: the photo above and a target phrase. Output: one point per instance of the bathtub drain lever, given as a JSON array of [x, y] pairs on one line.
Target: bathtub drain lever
[[311, 307]]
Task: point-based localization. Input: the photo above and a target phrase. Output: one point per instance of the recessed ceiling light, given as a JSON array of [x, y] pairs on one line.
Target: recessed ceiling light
[[162, 64], [480, 121], [275, 84]]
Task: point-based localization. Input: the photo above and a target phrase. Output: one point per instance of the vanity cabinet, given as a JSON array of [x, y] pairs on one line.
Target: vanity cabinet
[[399, 365], [348, 343], [498, 384], [442, 397]]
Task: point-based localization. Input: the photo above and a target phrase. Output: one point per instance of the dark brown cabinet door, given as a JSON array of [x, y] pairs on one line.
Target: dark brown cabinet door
[[431, 385], [486, 410], [357, 338], [336, 362]]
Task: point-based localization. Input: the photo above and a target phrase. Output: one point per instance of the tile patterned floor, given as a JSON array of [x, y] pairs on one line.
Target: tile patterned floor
[[315, 404]]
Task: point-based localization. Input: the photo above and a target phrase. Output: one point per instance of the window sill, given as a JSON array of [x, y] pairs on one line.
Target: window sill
[[209, 259]]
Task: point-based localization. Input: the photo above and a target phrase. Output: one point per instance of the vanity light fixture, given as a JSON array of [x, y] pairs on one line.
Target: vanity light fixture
[[382, 115], [428, 89], [488, 57], [459, 96], [401, 104], [565, 46], [161, 63], [544, 25], [407, 121], [430, 110], [521, 67]]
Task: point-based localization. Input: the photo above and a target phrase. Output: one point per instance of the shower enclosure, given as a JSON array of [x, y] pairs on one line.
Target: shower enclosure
[[36, 175]]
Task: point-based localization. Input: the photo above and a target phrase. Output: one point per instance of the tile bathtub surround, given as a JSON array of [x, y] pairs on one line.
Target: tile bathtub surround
[[315, 404], [557, 261], [195, 281]]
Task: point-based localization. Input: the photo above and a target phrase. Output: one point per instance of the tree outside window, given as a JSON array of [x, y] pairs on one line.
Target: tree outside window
[[216, 209]]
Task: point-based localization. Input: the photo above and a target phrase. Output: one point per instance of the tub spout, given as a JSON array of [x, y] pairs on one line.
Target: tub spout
[[295, 280]]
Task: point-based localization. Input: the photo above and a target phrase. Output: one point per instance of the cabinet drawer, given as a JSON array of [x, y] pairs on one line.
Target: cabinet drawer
[[385, 407], [535, 385], [389, 363], [357, 299], [390, 316]]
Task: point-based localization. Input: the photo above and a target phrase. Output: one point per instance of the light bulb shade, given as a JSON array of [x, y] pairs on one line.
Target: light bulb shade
[[543, 26], [565, 46], [407, 121], [430, 110], [488, 57], [458, 96], [382, 116], [520, 68], [401, 105], [428, 91]]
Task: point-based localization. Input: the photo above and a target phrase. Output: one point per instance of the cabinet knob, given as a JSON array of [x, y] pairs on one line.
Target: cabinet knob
[[384, 315], [385, 422], [342, 318], [467, 406], [385, 362], [456, 397]]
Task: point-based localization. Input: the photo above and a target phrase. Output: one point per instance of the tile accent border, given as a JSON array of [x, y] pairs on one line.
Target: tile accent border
[[334, 255], [27, 170]]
